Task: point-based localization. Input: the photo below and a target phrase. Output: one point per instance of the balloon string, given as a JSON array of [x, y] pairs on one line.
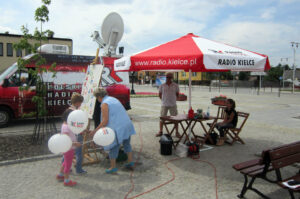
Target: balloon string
[[87, 142]]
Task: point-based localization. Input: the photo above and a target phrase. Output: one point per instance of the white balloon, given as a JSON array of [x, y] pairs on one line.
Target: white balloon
[[59, 143], [104, 136], [77, 121]]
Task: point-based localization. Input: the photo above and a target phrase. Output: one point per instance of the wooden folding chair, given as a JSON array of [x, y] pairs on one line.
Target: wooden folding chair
[[221, 112], [233, 133]]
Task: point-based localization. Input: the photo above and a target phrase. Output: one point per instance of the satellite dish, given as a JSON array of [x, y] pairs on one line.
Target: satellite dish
[[112, 24], [112, 31]]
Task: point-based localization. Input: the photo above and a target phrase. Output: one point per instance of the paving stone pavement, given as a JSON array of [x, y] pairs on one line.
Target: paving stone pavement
[[272, 122]]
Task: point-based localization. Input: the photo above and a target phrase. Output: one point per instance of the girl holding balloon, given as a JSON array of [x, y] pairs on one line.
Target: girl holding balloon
[[76, 101], [68, 156]]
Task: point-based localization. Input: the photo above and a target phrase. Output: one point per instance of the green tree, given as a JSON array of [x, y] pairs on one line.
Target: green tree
[[274, 73], [226, 75], [212, 75], [244, 76], [286, 67], [219, 75], [41, 16]]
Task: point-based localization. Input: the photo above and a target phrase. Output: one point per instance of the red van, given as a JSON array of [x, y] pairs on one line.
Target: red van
[[70, 73]]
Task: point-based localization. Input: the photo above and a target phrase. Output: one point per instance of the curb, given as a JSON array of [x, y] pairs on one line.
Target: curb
[[31, 159], [34, 158]]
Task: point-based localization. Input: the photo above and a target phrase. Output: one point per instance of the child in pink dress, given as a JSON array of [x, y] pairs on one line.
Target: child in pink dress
[[68, 156]]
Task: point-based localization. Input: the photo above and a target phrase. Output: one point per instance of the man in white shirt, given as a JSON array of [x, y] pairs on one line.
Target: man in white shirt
[[168, 93]]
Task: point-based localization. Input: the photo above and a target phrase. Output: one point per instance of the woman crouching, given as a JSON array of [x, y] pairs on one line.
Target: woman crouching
[[114, 116]]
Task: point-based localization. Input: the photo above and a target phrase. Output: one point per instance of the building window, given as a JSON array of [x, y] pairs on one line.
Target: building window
[[183, 74], [194, 74], [27, 52], [9, 49], [19, 52], [1, 49]]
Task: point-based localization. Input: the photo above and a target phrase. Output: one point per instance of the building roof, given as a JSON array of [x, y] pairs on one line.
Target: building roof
[[15, 35]]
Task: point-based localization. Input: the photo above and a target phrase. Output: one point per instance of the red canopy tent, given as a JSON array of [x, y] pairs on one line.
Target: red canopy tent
[[194, 54]]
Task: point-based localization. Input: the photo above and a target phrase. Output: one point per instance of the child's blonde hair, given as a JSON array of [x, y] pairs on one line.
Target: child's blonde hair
[[76, 97]]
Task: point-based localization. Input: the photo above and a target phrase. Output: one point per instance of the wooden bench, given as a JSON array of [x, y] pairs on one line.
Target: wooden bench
[[283, 157], [273, 159]]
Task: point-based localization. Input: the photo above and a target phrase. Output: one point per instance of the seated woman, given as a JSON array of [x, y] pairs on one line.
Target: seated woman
[[229, 121]]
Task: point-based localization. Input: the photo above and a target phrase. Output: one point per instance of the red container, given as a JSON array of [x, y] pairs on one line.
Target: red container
[[191, 114]]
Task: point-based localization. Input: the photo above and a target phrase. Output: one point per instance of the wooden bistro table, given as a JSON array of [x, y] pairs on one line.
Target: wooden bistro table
[[207, 129], [183, 123]]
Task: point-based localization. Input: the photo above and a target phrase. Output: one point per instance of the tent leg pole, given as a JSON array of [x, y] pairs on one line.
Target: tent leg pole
[[190, 100], [190, 88]]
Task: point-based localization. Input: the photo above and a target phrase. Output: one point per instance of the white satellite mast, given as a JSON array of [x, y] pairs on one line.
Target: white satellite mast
[[96, 37], [112, 30]]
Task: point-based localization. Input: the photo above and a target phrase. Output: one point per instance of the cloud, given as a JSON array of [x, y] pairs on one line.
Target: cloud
[[4, 29], [7, 16], [151, 22], [144, 22], [268, 13], [287, 1], [272, 39], [107, 1], [147, 23]]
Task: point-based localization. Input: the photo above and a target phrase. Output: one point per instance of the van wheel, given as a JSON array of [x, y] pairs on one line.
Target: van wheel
[[5, 117]]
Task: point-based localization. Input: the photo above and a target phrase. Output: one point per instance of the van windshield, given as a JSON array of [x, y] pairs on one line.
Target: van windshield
[[7, 73]]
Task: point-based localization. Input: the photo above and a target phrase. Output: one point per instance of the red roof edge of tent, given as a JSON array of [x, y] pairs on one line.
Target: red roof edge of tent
[[267, 65]]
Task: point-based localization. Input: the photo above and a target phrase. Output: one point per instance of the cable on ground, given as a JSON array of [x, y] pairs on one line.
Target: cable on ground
[[166, 164]]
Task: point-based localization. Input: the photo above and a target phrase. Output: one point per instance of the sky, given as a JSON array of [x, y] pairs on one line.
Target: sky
[[267, 27]]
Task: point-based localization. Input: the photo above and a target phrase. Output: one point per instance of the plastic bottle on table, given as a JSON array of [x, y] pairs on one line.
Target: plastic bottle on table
[[207, 113]]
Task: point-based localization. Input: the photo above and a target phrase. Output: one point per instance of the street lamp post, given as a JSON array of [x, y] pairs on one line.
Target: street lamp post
[[282, 59], [294, 46]]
